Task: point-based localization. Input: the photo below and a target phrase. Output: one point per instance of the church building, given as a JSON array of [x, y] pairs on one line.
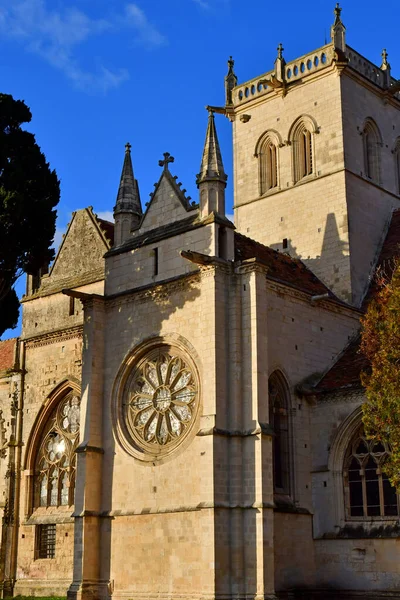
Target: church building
[[181, 416]]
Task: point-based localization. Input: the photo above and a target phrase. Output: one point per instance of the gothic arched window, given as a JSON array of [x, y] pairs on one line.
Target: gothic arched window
[[372, 150], [396, 153], [279, 421], [55, 463], [301, 137], [368, 492], [267, 152]]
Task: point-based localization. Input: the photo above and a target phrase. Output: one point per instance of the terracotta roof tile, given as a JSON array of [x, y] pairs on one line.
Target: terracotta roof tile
[[7, 354], [281, 267], [346, 371]]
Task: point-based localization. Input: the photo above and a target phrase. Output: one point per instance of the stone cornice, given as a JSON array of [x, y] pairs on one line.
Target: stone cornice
[[330, 304], [52, 336], [160, 291], [68, 282]]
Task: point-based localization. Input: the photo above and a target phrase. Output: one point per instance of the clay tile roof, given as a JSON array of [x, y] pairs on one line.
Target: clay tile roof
[[281, 267], [346, 371], [7, 354], [108, 229]]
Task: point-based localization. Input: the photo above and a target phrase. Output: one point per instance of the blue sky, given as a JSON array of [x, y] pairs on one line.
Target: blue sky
[[99, 73]]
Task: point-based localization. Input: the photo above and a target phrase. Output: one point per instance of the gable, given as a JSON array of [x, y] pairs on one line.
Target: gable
[[168, 205], [80, 257]]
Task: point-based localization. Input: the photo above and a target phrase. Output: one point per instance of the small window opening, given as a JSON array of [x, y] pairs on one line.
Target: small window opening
[[71, 306], [284, 243], [155, 251], [46, 541]]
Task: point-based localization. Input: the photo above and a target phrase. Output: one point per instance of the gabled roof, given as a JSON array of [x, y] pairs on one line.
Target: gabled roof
[[8, 354], [281, 267], [346, 371], [180, 194]]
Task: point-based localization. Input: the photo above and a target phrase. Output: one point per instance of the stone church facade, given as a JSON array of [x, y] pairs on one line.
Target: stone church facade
[[181, 417]]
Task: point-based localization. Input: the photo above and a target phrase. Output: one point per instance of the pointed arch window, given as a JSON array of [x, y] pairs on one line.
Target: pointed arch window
[[372, 150], [55, 463], [396, 153], [267, 151], [301, 137], [279, 422], [368, 492]]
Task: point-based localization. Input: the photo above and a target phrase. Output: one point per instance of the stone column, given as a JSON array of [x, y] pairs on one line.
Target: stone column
[[87, 583], [257, 479]]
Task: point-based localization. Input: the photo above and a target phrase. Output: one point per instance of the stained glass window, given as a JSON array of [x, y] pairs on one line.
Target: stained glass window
[[163, 398], [367, 488], [56, 460]]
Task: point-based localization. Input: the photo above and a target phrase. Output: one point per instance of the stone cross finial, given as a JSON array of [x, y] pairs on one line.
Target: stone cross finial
[[167, 159], [280, 49], [384, 57], [337, 12], [231, 64], [128, 148]]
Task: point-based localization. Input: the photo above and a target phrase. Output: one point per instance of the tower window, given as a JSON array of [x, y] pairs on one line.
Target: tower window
[[301, 137], [368, 491], [46, 541], [267, 153], [372, 150]]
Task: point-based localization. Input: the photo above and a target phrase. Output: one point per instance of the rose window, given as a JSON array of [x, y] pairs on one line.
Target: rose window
[[163, 399]]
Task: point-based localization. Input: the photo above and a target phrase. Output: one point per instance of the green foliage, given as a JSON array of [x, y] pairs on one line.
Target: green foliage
[[381, 345], [29, 192]]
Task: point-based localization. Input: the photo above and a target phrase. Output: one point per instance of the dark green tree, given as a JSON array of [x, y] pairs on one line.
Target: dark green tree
[[29, 192]]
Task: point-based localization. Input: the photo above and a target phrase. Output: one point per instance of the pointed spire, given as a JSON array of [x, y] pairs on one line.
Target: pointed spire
[[127, 209], [338, 30], [385, 66], [211, 168], [230, 81], [280, 63], [128, 199]]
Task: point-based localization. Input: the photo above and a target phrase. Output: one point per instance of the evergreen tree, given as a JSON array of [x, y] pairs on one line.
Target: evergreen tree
[[29, 192]]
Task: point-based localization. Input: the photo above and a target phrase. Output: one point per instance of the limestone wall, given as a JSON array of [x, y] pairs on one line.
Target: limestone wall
[[136, 268]]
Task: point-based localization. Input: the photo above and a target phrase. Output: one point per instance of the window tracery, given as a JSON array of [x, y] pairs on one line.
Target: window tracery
[[268, 158], [372, 146], [279, 421], [301, 136], [163, 399], [368, 492], [55, 464]]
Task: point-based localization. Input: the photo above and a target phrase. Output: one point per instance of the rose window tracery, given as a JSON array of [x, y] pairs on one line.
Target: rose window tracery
[[162, 399], [56, 460]]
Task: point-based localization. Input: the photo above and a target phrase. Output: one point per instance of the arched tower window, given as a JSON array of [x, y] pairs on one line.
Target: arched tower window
[[267, 152], [55, 464], [396, 153], [368, 492], [372, 150], [279, 421], [301, 137]]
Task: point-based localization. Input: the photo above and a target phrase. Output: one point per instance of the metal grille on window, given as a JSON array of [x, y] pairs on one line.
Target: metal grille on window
[[46, 541], [56, 459], [368, 490]]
